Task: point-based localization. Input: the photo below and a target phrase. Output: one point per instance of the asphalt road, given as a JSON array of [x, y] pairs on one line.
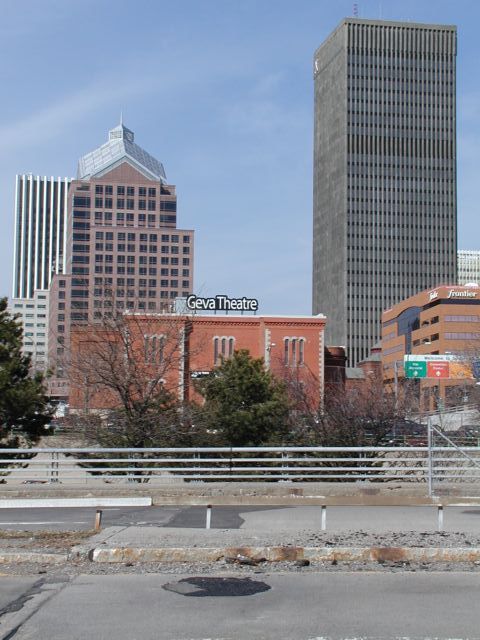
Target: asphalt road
[[290, 606], [260, 519]]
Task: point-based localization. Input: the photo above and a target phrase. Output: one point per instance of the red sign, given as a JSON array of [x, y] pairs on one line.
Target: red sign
[[437, 369]]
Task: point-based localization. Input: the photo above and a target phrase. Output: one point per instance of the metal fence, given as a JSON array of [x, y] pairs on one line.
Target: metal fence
[[429, 464]]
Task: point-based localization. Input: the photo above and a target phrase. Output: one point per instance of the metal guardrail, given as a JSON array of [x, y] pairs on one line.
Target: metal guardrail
[[113, 465]]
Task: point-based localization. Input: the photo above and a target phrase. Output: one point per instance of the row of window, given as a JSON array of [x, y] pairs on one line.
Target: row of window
[[79, 259], [143, 237], [106, 217], [130, 282], [121, 190]]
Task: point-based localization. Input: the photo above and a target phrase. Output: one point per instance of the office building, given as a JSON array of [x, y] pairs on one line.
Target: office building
[[39, 252], [443, 322], [124, 251], [468, 266], [384, 172]]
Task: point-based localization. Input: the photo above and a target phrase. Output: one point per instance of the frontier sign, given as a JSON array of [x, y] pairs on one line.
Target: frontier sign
[[436, 367], [221, 303]]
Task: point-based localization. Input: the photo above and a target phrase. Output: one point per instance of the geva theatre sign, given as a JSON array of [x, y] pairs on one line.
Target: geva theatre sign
[[221, 303]]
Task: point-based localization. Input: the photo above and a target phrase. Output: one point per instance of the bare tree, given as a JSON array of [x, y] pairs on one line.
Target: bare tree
[[128, 385]]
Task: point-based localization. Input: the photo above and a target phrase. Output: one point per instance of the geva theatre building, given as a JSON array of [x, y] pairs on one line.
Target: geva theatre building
[[181, 347], [444, 321]]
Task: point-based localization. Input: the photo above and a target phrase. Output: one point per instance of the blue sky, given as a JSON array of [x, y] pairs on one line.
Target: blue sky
[[221, 92]]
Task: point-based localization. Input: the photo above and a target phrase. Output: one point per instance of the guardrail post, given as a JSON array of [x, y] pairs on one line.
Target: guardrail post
[[98, 520], [324, 517], [209, 516], [285, 457], [54, 467], [440, 517]]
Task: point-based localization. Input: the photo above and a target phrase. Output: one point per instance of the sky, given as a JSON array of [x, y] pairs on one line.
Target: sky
[[221, 92]]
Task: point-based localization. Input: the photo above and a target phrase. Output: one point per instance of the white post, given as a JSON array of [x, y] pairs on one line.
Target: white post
[[440, 517], [209, 516], [324, 517]]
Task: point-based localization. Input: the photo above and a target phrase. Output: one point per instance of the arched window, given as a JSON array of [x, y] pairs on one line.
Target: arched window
[[223, 347]]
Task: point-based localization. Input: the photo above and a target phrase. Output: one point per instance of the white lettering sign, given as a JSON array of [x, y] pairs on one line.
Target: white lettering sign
[[433, 295], [221, 303], [462, 294]]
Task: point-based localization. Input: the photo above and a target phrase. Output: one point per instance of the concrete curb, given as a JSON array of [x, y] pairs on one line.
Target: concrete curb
[[255, 554], [280, 554], [28, 503], [7, 557]]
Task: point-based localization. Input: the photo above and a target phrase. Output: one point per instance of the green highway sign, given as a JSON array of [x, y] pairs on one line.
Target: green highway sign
[[415, 369]]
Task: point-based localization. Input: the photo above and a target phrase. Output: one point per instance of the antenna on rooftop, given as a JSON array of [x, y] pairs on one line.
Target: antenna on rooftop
[[121, 117], [355, 10]]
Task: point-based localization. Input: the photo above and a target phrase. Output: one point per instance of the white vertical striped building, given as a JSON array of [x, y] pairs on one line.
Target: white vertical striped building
[[385, 211], [39, 252], [468, 266], [40, 232]]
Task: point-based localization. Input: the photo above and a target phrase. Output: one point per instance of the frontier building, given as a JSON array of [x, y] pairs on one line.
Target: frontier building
[[442, 325], [384, 222]]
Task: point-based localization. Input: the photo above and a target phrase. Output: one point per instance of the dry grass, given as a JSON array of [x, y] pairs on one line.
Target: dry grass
[[50, 539]]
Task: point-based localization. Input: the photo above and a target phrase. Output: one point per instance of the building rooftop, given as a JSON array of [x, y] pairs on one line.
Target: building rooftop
[[120, 147]]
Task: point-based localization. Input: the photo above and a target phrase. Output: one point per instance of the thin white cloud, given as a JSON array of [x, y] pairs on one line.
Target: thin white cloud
[[53, 120]]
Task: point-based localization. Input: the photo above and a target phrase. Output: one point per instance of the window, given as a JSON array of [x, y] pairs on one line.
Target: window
[[223, 347], [81, 214], [120, 191], [294, 352], [130, 191], [462, 319], [154, 348], [168, 206], [81, 201]]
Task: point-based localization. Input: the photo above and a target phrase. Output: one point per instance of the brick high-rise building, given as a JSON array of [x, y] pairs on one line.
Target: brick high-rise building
[[124, 251], [384, 172]]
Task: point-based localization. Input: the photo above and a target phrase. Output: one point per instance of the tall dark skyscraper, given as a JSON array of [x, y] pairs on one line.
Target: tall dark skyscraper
[[384, 172]]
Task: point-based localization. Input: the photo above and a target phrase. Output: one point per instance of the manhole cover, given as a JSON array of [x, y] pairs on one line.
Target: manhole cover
[[200, 587]]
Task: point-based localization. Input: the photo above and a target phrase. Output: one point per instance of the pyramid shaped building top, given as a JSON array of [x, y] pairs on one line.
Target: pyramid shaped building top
[[119, 148]]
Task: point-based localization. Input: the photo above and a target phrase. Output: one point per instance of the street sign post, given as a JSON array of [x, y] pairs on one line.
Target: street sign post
[[436, 366], [415, 369]]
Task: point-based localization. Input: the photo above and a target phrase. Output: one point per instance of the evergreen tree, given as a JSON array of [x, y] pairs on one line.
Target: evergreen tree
[[244, 403], [24, 406]]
